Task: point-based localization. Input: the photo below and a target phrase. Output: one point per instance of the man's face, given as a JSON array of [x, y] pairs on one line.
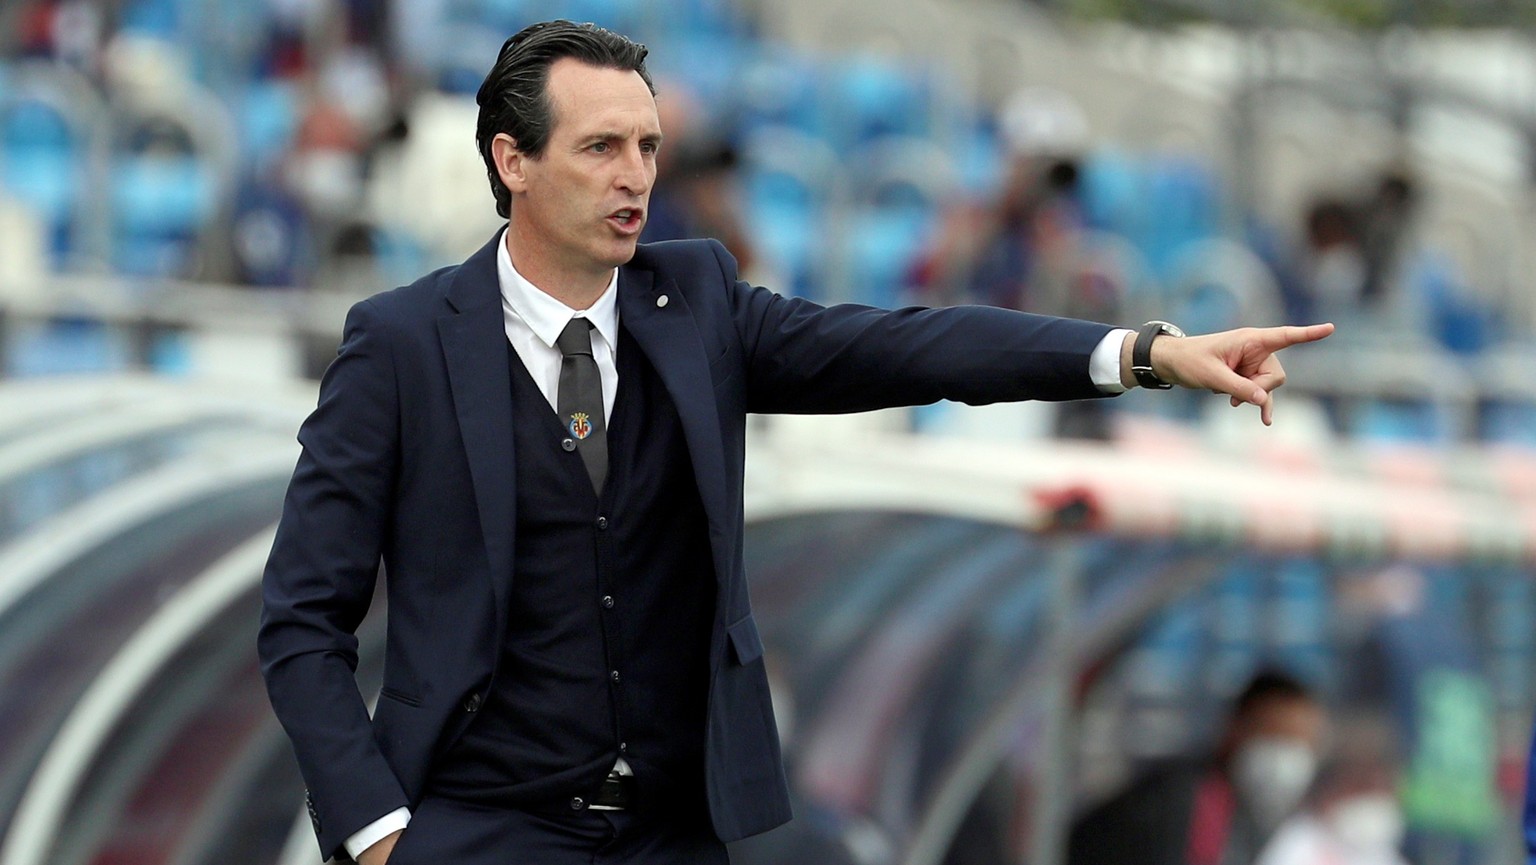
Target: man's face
[[579, 207]]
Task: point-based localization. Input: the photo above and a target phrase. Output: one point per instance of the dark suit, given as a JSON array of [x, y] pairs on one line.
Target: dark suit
[[408, 458]]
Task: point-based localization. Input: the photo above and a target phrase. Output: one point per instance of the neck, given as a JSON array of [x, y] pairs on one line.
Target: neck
[[577, 288]]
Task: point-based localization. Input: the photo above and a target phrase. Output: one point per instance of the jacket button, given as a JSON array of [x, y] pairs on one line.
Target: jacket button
[[472, 703], [577, 803], [602, 523], [568, 445], [607, 602], [614, 675]]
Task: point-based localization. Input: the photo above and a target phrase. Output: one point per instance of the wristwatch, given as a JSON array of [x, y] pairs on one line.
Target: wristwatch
[[1141, 353]]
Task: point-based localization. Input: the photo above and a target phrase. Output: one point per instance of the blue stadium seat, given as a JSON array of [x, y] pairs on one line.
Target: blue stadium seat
[[880, 250], [1183, 196], [468, 51], [709, 63], [267, 119], [1111, 193], [777, 87], [66, 346], [160, 203], [866, 98], [1399, 420], [507, 15], [151, 17], [40, 165], [1508, 422], [981, 162], [622, 16]]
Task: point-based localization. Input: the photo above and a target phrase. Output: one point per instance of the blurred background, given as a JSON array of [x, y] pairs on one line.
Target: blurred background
[[987, 629]]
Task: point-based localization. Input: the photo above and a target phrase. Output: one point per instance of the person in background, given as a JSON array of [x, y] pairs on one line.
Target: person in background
[[1018, 250], [1352, 815], [1219, 810]]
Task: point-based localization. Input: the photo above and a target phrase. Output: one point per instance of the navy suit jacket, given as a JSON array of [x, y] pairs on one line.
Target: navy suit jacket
[[408, 459]]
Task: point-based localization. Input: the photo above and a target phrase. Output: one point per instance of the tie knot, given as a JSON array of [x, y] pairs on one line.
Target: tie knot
[[576, 338]]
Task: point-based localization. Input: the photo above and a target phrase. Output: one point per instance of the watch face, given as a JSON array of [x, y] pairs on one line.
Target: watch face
[[1169, 328]]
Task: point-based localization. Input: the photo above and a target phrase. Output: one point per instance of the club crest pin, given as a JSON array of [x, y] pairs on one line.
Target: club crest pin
[[581, 425]]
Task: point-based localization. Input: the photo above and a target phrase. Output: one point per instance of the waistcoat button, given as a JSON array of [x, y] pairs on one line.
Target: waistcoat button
[[577, 803], [568, 445], [472, 703], [607, 602]]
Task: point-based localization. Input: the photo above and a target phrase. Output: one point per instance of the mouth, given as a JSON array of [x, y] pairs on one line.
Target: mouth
[[627, 220]]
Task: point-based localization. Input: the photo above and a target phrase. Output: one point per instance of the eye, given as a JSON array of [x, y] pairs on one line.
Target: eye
[[600, 147], [649, 147]]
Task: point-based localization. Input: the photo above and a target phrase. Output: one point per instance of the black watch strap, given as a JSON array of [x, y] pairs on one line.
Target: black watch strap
[[1141, 353]]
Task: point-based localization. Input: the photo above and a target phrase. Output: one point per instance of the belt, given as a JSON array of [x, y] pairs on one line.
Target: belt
[[616, 793]]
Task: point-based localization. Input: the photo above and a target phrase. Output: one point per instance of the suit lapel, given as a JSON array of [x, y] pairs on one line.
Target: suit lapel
[[669, 337], [475, 350]]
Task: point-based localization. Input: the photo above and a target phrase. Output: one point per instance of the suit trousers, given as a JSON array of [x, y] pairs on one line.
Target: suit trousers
[[446, 830]]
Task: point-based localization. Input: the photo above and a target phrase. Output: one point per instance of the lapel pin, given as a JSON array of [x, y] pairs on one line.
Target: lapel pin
[[661, 301]]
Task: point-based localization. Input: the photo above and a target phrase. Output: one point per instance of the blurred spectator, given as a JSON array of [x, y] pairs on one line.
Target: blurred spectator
[[1352, 816], [1222, 809], [1334, 260], [1384, 225], [697, 192], [1352, 253], [1022, 251]]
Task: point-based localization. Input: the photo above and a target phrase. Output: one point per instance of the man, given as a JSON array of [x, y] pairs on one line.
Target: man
[[544, 446], [1217, 811]]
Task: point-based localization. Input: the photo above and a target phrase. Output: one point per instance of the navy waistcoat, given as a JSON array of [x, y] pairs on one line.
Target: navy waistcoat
[[612, 598]]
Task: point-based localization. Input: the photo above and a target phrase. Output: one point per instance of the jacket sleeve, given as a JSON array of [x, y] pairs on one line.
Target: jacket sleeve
[[319, 581], [803, 358]]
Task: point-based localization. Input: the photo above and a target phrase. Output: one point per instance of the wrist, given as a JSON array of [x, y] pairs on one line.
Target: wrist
[[1146, 354]]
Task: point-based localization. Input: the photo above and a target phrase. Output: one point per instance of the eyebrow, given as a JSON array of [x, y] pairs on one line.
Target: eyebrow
[[610, 135]]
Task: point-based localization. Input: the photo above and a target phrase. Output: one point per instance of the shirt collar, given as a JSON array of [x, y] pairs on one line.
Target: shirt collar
[[546, 316]]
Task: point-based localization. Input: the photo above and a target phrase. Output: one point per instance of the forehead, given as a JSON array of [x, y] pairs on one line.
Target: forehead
[[1291, 717], [588, 98]]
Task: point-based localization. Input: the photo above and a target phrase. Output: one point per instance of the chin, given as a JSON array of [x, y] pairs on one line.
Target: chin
[[620, 254]]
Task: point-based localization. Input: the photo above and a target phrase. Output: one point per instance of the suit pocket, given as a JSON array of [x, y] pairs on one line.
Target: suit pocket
[[399, 697], [746, 644]]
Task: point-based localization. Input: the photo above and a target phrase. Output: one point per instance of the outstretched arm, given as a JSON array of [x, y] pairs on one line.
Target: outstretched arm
[[1240, 363]]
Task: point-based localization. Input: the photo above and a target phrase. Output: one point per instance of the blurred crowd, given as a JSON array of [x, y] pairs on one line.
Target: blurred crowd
[[327, 144], [1283, 786]]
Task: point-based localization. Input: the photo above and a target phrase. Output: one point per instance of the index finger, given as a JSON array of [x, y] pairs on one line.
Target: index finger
[[1275, 338]]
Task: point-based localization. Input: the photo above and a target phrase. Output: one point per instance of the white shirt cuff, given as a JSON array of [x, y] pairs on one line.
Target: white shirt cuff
[[1104, 363], [374, 832]]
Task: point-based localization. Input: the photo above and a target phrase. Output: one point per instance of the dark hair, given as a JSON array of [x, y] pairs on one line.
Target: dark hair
[[514, 97], [1270, 684]]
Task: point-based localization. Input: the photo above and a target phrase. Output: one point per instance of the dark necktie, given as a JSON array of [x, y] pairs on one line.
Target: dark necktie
[[580, 401]]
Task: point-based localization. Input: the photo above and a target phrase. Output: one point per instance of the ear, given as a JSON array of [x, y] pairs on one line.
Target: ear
[[509, 162]]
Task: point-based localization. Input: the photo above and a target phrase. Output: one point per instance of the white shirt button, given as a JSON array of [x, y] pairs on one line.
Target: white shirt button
[[661, 301]]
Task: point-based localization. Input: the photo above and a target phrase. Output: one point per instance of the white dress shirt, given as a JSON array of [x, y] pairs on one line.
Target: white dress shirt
[[533, 321]]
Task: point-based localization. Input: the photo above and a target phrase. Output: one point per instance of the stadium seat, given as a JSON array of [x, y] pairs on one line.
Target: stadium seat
[[160, 203], [866, 98], [880, 250], [777, 88], [1388, 419], [41, 162], [267, 119]]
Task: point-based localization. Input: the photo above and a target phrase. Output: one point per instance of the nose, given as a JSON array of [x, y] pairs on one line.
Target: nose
[[637, 171]]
